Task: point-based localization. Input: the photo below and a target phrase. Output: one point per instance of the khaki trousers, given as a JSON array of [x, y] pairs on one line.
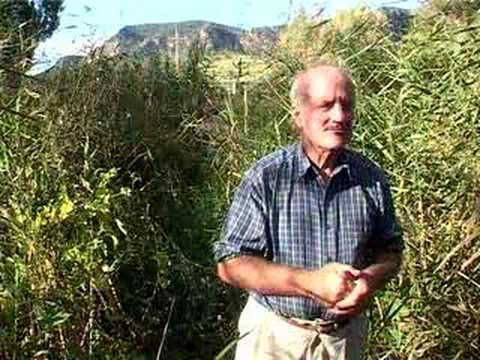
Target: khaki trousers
[[266, 336]]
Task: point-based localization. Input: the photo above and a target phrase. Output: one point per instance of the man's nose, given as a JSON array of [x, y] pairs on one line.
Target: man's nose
[[338, 113]]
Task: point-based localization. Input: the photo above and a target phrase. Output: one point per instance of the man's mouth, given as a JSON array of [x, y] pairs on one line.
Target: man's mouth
[[339, 130]]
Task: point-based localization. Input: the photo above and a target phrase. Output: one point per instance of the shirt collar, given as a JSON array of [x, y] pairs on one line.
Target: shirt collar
[[305, 166]]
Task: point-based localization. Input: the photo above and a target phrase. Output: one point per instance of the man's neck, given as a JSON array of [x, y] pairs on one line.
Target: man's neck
[[323, 159]]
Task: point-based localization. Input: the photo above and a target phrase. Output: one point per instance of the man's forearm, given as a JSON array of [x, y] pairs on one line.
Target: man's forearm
[[255, 273], [385, 267], [326, 285]]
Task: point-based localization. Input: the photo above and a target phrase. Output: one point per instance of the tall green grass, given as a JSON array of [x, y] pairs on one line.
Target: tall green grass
[[102, 225]]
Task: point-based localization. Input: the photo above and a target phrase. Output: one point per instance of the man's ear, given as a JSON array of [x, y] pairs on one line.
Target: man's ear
[[297, 119]]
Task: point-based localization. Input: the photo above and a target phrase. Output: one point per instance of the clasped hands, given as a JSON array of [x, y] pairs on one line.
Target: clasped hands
[[341, 288]]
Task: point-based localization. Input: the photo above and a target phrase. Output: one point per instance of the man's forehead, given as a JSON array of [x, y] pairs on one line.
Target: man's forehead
[[326, 69], [329, 78], [326, 83]]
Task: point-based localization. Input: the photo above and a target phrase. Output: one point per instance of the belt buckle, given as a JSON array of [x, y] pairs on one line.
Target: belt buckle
[[331, 326]]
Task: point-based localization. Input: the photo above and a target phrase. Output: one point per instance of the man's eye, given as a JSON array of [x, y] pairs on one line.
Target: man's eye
[[326, 105], [347, 105]]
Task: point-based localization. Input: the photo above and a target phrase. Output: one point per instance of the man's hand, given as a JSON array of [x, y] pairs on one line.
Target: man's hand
[[353, 303], [330, 284], [339, 287], [369, 280]]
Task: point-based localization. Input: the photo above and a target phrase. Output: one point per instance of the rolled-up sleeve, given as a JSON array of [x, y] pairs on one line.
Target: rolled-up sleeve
[[244, 230]]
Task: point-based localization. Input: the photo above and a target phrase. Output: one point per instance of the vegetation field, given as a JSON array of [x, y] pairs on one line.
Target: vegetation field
[[115, 178]]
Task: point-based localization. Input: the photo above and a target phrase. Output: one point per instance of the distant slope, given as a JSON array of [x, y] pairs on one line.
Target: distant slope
[[146, 40], [398, 18], [150, 39]]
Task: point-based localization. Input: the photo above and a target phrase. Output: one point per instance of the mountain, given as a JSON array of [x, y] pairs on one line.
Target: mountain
[[70, 61], [150, 39], [399, 19], [166, 38]]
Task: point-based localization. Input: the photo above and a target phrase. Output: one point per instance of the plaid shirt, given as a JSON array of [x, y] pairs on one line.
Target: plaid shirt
[[283, 212]]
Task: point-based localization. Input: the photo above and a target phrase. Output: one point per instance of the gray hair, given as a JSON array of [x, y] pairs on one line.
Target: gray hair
[[299, 92]]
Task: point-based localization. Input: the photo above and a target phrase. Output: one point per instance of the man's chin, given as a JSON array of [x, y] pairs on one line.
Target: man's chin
[[335, 146]]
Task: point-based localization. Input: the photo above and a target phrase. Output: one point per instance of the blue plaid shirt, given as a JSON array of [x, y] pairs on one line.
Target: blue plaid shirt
[[283, 212]]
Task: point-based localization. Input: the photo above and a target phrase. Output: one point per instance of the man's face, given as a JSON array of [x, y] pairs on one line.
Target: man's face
[[325, 120]]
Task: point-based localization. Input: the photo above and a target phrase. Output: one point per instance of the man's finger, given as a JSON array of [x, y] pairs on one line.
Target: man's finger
[[347, 312], [351, 300], [350, 274], [356, 297]]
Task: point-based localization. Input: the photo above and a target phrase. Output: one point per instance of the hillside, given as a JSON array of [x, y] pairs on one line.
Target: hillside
[[151, 39], [145, 40]]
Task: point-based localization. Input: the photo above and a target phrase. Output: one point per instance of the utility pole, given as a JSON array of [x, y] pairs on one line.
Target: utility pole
[[177, 49], [290, 10], [177, 44]]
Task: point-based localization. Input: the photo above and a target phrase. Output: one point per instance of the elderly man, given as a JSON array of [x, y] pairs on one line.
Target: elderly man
[[311, 233]]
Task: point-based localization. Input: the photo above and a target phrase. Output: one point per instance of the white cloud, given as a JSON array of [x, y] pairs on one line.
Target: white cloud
[[60, 45]]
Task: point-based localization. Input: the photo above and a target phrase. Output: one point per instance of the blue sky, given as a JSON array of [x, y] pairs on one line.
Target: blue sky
[[87, 23]]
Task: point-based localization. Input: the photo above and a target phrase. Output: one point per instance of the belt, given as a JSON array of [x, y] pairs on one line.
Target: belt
[[318, 325]]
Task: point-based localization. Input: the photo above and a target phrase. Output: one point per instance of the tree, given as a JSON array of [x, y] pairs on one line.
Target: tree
[[23, 24]]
